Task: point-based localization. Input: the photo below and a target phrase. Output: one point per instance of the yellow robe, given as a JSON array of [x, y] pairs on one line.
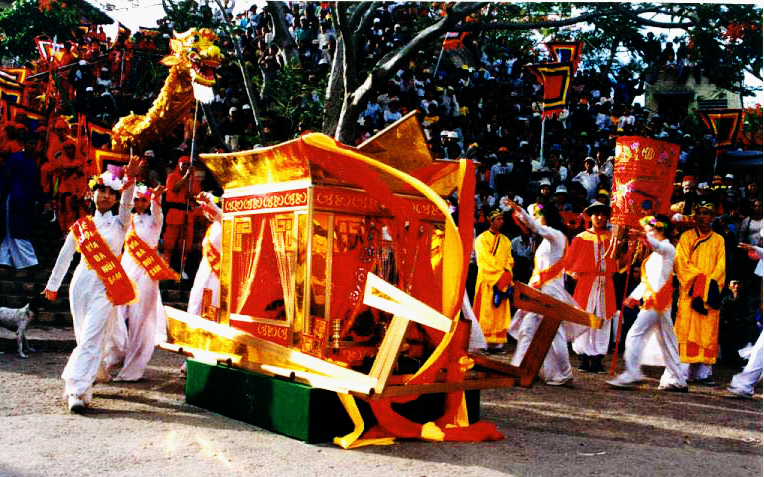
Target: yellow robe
[[698, 334], [494, 255]]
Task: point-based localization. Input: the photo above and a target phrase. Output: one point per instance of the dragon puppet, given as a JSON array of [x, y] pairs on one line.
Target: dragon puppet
[[192, 63]]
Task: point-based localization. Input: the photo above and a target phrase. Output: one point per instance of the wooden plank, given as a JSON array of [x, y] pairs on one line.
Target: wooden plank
[[380, 294], [445, 387], [209, 357], [311, 379], [497, 366], [265, 352], [388, 352], [528, 298], [538, 348]]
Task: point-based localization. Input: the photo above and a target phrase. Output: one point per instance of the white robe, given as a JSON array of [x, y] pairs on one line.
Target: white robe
[[205, 277], [749, 377], [556, 367], [92, 313], [140, 326], [654, 326]]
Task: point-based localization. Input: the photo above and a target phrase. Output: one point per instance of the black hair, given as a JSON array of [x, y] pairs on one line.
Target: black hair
[[553, 218]]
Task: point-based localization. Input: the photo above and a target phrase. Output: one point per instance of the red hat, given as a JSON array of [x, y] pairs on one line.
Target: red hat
[[184, 160], [503, 149]]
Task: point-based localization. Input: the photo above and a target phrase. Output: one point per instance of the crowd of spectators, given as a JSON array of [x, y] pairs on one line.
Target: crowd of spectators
[[478, 102]]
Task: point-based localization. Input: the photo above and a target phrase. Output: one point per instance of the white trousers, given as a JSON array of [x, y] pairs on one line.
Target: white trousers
[[135, 333], [93, 316], [556, 365], [477, 339], [636, 339], [750, 376]]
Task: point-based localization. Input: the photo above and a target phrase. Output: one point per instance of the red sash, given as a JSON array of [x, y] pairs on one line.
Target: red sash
[[539, 279], [657, 301], [148, 258], [99, 257], [211, 253]]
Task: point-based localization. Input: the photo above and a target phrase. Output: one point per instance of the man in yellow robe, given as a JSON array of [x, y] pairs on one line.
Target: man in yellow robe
[[700, 268], [494, 260]]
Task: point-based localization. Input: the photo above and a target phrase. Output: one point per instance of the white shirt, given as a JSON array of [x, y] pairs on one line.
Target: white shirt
[[658, 267]]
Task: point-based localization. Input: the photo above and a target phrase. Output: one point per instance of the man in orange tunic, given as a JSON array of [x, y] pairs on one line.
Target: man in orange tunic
[[700, 268], [587, 262], [180, 212]]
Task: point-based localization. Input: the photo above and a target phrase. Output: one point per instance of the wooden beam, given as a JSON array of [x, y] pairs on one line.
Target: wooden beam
[[528, 298], [386, 297], [445, 387], [257, 350], [388, 352], [496, 365], [537, 349]]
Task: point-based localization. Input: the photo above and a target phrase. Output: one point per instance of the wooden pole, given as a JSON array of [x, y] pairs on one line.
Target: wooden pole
[[614, 362]]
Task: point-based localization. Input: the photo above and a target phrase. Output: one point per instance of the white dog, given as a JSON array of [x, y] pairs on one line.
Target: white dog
[[17, 319]]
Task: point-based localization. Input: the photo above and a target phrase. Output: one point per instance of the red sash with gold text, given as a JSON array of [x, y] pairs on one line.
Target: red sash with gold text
[[148, 258], [99, 257], [211, 253]]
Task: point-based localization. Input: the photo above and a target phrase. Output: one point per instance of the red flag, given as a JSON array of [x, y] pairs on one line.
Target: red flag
[[643, 177], [725, 123], [122, 32], [11, 91], [18, 75], [556, 78], [565, 51], [48, 49]]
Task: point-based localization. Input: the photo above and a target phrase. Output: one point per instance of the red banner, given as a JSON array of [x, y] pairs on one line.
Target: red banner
[[556, 78], [643, 178]]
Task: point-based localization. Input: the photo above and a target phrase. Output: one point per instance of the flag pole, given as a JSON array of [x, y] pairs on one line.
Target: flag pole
[[543, 123], [437, 64]]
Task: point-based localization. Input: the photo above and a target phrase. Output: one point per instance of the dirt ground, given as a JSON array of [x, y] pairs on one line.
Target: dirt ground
[[146, 428]]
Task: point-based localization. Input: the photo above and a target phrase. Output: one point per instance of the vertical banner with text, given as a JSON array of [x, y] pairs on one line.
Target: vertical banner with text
[[643, 178]]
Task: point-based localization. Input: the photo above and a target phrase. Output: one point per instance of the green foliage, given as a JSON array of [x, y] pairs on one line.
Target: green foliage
[[291, 97], [24, 21], [185, 14]]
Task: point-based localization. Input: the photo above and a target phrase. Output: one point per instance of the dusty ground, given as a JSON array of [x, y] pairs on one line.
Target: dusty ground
[[146, 428]]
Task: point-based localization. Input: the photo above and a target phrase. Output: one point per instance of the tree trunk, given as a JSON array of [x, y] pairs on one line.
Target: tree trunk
[[281, 35], [335, 92]]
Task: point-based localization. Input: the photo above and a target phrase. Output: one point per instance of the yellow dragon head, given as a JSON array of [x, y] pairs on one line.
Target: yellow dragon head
[[195, 50]]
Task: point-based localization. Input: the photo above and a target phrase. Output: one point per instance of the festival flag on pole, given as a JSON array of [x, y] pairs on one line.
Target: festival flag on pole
[[11, 91], [34, 118], [103, 159], [99, 136], [565, 51], [122, 31], [556, 78], [3, 112], [49, 50], [725, 123], [643, 178], [18, 75]]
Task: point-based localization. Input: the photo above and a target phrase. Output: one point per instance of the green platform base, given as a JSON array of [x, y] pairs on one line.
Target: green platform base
[[290, 408]]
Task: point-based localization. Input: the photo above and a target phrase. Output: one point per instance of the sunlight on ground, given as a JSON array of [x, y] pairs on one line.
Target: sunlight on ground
[[658, 422], [209, 451]]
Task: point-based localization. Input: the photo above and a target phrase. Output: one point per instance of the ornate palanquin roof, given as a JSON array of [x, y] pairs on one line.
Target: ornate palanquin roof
[[402, 145]]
